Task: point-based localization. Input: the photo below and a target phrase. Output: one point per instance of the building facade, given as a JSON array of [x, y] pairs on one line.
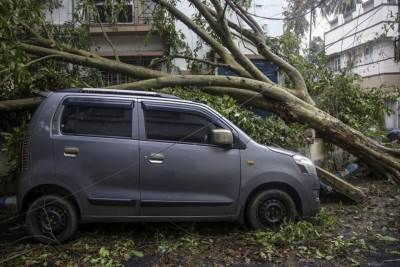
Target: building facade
[[364, 40], [129, 36]]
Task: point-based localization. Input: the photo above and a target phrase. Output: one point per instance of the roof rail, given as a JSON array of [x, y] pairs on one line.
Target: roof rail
[[119, 92]]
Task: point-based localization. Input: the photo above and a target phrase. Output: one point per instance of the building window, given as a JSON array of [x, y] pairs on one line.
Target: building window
[[336, 64], [397, 49], [367, 5], [333, 23], [146, 9], [112, 78], [368, 52], [352, 58], [392, 114], [347, 10], [124, 14]]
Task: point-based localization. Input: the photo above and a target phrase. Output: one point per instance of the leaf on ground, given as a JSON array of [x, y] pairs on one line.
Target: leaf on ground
[[139, 254], [386, 238]]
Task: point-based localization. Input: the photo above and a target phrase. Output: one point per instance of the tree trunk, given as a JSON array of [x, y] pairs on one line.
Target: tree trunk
[[342, 186], [332, 130], [18, 104]]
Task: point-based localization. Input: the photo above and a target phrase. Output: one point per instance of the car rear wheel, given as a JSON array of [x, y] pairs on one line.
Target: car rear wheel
[[270, 208], [52, 219]]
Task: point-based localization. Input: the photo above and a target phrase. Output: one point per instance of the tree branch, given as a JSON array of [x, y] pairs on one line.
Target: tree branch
[[228, 41], [218, 47], [269, 90], [39, 60], [19, 104], [204, 61], [96, 62], [245, 16], [293, 74], [110, 43]]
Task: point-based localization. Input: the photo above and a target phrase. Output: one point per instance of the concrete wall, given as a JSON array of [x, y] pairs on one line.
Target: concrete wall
[[364, 27], [380, 62], [126, 44], [370, 26]]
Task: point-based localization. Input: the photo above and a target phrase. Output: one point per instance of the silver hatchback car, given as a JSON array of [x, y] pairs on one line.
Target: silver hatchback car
[[104, 155]]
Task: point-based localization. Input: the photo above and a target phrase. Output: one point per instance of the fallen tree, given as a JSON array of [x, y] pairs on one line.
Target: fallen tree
[[293, 104], [342, 186]]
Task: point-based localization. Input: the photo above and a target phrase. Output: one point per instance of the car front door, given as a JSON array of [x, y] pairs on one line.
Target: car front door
[[96, 152], [181, 173]]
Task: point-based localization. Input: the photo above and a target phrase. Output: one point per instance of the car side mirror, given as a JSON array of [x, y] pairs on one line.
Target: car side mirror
[[222, 137]]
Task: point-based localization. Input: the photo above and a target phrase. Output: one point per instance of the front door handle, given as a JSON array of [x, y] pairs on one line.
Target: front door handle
[[71, 152], [155, 158]]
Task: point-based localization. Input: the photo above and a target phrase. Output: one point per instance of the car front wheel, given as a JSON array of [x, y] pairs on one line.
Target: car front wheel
[[270, 208], [52, 219]]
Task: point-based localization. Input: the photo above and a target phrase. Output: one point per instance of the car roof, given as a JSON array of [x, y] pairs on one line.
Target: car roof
[[123, 94], [117, 92]]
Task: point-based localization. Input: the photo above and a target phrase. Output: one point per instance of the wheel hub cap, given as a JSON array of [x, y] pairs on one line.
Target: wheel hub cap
[[52, 219], [272, 212]]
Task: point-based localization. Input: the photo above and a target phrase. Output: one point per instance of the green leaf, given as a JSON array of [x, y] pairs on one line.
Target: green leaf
[[386, 238], [136, 253]]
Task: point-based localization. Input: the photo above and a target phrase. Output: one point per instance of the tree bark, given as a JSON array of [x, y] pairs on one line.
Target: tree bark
[[342, 186], [19, 104]]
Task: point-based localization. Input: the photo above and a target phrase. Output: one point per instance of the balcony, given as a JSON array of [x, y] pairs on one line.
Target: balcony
[[137, 17]]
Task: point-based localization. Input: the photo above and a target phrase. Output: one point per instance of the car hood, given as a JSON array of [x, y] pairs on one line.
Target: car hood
[[282, 151]]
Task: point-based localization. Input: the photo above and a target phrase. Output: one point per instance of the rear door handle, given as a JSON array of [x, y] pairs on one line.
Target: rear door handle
[[71, 152], [155, 158]]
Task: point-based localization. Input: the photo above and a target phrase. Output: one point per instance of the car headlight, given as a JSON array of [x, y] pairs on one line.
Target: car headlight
[[305, 164]]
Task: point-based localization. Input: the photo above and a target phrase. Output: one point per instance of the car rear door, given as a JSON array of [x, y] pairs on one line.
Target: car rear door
[[96, 154], [181, 173]]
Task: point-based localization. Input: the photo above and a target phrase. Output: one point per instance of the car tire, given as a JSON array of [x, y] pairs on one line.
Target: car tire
[[270, 208], [52, 219]]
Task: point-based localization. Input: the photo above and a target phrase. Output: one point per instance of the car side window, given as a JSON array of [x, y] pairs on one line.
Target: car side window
[[96, 120], [178, 126]]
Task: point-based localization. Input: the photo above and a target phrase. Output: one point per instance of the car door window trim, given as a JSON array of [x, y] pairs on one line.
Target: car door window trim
[[94, 102], [195, 110]]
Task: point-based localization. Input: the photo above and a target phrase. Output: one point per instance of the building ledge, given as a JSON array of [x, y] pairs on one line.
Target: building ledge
[[119, 28], [360, 15]]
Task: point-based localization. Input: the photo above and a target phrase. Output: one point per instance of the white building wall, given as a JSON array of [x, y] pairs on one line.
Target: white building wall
[[270, 8], [381, 60], [366, 40], [363, 42], [363, 28]]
